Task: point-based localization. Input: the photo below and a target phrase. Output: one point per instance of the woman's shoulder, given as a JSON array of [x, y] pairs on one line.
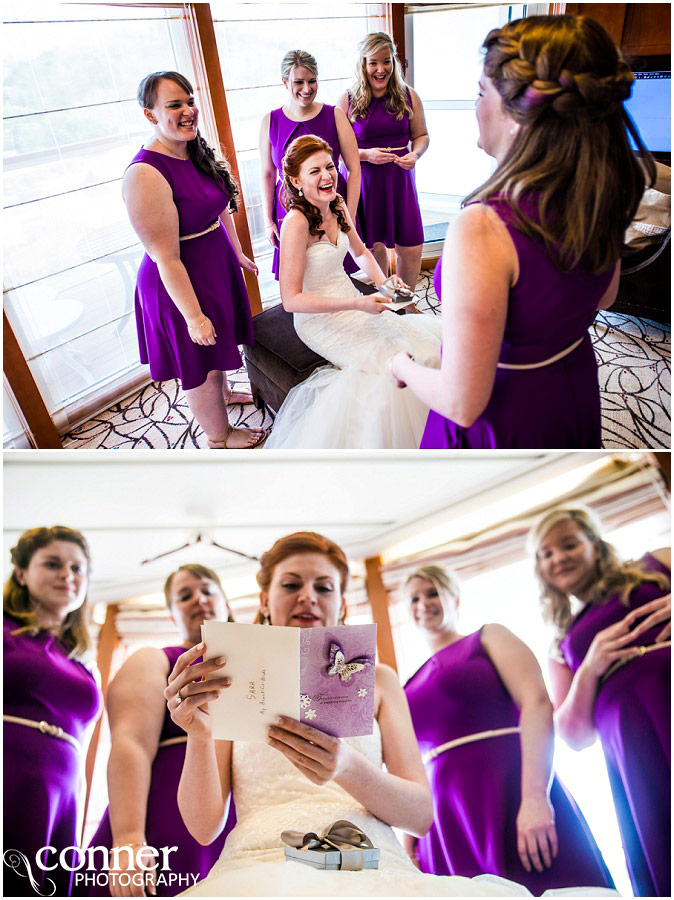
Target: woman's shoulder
[[662, 556]]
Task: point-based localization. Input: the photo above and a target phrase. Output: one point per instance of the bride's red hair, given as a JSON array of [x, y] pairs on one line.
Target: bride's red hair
[[296, 155]]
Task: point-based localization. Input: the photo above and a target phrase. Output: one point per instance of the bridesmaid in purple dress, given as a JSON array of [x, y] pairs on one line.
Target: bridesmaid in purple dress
[[535, 251], [483, 720], [303, 114], [50, 699], [148, 749], [192, 309], [390, 127], [611, 676]]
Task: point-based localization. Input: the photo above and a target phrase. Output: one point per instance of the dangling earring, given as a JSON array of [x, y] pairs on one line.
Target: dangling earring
[[299, 191], [513, 130]]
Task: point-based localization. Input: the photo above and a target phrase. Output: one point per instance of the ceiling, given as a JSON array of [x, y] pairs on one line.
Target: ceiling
[[134, 506]]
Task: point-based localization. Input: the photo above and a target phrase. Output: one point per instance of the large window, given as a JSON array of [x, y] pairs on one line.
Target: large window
[[445, 65], [252, 40], [71, 125]]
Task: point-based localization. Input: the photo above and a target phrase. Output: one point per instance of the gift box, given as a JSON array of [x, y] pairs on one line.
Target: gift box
[[341, 846]]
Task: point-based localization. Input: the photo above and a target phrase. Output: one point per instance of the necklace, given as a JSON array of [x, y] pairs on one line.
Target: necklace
[[174, 155]]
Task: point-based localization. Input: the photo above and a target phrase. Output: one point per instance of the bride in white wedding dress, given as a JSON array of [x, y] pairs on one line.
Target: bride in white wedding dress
[[304, 779], [350, 403]]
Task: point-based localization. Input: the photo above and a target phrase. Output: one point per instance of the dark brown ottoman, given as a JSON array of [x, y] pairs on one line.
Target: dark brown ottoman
[[279, 359]]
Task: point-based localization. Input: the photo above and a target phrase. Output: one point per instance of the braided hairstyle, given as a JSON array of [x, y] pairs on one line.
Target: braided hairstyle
[[297, 153], [202, 155], [564, 81]]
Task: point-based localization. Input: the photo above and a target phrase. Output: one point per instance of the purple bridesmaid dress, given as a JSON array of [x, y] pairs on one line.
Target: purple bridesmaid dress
[[476, 787], [553, 406], [216, 277], [282, 131], [42, 774], [164, 825], [388, 212], [632, 715]]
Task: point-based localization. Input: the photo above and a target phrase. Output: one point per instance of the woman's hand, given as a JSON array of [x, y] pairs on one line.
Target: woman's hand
[[138, 880], [201, 330], [390, 369], [371, 303], [188, 691], [271, 232], [408, 161], [319, 756], [379, 157], [536, 833], [248, 264], [609, 645], [656, 611]]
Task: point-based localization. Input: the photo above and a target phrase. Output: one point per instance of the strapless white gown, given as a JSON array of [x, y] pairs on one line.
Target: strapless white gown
[[351, 403], [271, 795]]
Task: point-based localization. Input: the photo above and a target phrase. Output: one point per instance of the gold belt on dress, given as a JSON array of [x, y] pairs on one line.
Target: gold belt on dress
[[619, 663], [169, 742], [190, 237], [546, 362], [467, 739], [52, 730]]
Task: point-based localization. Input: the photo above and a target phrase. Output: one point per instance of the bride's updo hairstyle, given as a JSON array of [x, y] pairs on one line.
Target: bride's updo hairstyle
[[202, 155], [296, 155], [301, 542], [562, 79]]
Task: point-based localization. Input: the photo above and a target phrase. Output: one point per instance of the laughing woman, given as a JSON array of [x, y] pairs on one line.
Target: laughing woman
[[50, 699], [303, 114]]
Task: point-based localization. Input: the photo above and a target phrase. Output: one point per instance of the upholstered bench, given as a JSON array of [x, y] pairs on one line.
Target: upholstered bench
[[279, 360]]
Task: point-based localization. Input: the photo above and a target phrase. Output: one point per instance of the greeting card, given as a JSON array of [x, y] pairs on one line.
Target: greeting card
[[321, 676]]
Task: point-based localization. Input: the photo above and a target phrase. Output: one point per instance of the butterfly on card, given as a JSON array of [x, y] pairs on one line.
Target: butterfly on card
[[339, 665]]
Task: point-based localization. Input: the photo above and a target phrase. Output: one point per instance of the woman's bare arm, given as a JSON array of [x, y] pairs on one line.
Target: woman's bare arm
[[348, 148], [269, 178]]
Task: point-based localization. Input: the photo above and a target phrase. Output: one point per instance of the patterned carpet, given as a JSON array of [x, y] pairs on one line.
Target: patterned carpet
[[634, 376]]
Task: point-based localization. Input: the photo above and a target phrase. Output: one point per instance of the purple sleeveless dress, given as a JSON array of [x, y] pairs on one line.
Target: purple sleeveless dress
[[632, 717], [388, 211], [42, 774], [164, 825], [282, 131], [476, 787], [216, 277], [555, 406]]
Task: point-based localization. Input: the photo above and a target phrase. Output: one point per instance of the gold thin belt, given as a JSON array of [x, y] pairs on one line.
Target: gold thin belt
[[52, 730], [169, 742], [211, 227], [619, 663], [546, 362], [467, 739]]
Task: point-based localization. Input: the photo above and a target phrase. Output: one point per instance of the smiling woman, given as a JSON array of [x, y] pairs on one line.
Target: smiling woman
[[147, 750], [53, 700]]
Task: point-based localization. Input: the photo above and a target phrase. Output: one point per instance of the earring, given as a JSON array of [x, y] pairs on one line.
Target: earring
[[513, 130], [299, 191], [266, 618]]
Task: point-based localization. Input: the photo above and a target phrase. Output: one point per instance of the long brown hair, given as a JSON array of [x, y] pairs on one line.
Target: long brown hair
[[198, 571], [301, 542], [17, 603], [613, 576], [297, 153], [396, 89], [202, 154], [564, 81]]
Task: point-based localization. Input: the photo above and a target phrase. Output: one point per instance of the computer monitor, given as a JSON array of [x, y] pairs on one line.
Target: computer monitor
[[650, 108]]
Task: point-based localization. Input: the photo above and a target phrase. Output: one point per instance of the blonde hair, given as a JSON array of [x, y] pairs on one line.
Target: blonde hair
[[564, 81], [295, 58], [396, 89], [443, 580], [198, 571], [612, 574], [74, 631]]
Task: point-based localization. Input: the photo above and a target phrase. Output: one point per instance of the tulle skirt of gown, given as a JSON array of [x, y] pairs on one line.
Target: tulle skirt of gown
[[351, 403], [271, 795]]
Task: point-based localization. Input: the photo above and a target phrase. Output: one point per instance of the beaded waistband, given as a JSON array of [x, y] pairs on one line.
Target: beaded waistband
[[467, 739], [619, 663], [546, 362], [52, 730], [211, 227], [169, 742]]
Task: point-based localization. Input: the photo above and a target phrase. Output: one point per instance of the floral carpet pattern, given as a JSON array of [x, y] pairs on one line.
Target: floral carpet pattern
[[633, 356]]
